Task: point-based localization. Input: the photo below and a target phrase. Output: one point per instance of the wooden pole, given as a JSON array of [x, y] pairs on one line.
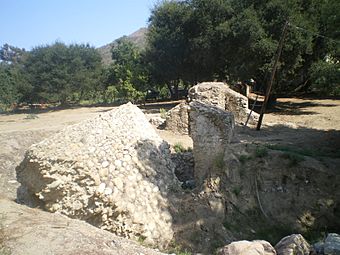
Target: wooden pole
[[270, 84], [252, 109]]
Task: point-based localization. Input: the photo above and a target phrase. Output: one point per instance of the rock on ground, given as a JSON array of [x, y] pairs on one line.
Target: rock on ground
[[27, 231], [220, 95], [257, 247], [332, 244], [211, 130], [157, 121], [113, 171], [293, 245]]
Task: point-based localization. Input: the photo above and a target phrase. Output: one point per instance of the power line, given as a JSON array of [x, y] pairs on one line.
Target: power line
[[314, 33]]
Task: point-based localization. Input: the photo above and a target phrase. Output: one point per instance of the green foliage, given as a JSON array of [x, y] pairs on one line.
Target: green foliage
[[177, 249], [325, 76], [127, 74], [56, 71], [293, 158], [244, 158], [110, 94], [141, 239], [315, 152], [8, 87], [178, 147], [237, 190], [163, 113], [198, 40], [261, 152], [12, 85]]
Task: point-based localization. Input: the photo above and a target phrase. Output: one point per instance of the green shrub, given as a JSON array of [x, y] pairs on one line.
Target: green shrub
[[177, 249], [305, 152], [243, 158], [178, 147], [294, 159], [237, 190], [163, 113], [261, 152], [325, 77]]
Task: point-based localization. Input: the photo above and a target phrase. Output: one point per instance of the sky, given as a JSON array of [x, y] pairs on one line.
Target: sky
[[30, 23]]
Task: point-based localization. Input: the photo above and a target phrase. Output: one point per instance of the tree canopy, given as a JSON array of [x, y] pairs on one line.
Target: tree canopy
[[197, 40], [60, 73]]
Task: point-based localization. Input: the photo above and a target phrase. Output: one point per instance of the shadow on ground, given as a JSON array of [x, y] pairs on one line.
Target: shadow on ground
[[295, 108], [199, 228]]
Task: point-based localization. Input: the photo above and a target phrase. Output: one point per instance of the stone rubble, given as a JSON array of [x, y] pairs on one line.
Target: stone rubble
[[113, 171], [293, 245], [332, 244], [257, 247], [177, 119], [157, 121], [220, 95]]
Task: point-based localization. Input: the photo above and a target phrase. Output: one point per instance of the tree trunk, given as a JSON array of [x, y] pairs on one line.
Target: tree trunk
[[170, 90]]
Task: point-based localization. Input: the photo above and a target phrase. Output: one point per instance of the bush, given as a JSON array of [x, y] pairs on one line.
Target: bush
[[294, 158], [243, 158], [325, 76], [178, 147], [163, 113], [261, 152]]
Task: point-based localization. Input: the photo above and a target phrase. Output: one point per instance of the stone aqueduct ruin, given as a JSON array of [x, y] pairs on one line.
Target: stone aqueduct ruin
[[116, 173]]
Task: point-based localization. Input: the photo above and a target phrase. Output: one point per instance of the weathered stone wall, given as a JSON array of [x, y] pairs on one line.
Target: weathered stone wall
[[211, 130], [177, 119], [113, 171], [220, 95]]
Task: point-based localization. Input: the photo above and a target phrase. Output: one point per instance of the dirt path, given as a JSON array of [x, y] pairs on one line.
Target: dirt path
[[314, 114], [309, 125]]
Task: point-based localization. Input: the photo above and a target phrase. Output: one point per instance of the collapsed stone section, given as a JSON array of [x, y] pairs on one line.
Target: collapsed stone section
[[211, 130], [113, 171], [220, 95], [177, 119]]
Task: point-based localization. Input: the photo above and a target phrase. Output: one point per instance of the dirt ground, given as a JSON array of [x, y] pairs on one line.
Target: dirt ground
[[302, 123]]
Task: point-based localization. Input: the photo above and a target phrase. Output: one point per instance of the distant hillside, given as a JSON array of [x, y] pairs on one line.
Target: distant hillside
[[138, 38]]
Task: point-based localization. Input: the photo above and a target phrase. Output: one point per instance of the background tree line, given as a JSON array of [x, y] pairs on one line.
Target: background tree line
[[235, 40], [187, 42]]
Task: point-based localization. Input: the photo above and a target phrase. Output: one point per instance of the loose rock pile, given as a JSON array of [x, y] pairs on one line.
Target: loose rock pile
[[293, 245], [113, 171]]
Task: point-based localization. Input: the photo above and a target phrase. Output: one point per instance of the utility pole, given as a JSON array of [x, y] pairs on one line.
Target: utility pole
[[270, 84]]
